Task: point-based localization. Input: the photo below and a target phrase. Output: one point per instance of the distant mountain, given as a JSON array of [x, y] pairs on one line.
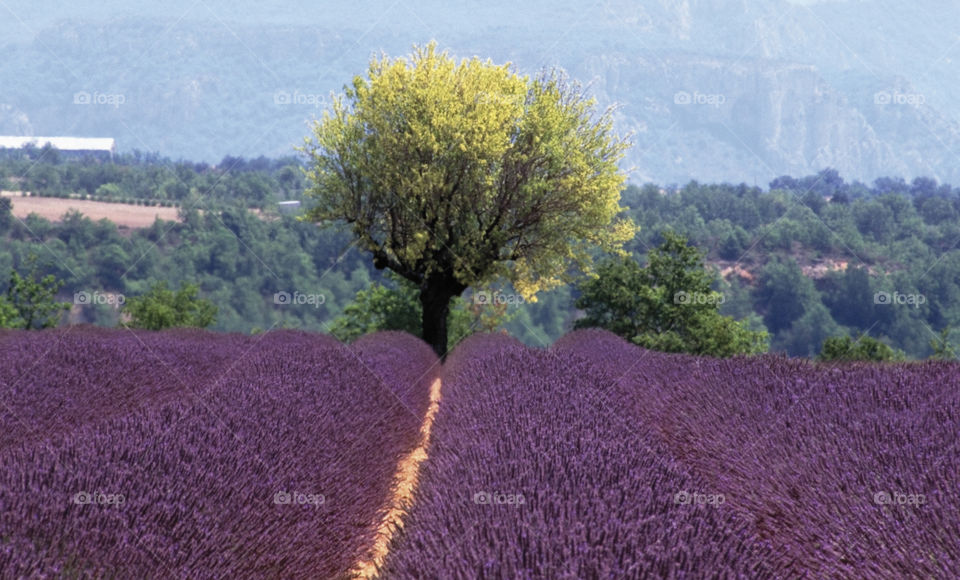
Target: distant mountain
[[725, 90]]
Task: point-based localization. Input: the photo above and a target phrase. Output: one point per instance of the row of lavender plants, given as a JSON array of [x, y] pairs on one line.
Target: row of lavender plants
[[533, 473], [850, 470], [401, 365], [268, 456], [57, 379]]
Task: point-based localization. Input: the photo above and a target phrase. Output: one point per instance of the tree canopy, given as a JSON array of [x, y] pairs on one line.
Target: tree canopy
[[162, 308], [31, 301], [863, 348], [456, 174], [667, 305], [809, 270]]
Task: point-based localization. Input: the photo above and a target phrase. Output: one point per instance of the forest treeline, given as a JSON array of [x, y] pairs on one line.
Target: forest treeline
[[806, 259]]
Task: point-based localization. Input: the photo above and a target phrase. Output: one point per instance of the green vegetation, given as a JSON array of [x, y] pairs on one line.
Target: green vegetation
[[943, 349], [457, 175], [8, 314], [380, 307], [667, 306], [805, 261], [824, 257], [6, 213], [162, 308], [30, 302], [396, 306], [140, 179], [864, 348]]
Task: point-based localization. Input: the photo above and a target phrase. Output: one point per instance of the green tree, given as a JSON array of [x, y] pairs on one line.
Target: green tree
[[397, 307], [864, 348], [666, 306], [109, 192], [8, 314], [783, 294], [31, 302], [111, 261], [459, 174], [806, 334], [6, 213], [850, 297], [943, 348], [162, 308], [379, 308]]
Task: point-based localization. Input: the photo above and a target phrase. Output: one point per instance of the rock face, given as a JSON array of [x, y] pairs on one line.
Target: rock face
[[741, 89], [720, 119], [713, 90]]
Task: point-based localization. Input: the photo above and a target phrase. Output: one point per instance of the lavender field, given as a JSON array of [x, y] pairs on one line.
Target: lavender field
[[850, 471], [532, 476], [597, 459], [196, 455], [189, 454]]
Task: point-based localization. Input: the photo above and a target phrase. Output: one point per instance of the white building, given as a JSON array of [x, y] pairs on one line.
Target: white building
[[65, 144]]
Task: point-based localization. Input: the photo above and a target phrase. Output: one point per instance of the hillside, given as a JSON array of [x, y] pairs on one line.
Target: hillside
[[806, 259], [735, 90]]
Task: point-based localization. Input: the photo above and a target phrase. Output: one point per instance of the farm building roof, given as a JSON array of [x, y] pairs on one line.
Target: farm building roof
[[61, 143]]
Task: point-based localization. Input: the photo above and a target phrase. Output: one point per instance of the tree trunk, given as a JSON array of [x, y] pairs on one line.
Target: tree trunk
[[435, 297]]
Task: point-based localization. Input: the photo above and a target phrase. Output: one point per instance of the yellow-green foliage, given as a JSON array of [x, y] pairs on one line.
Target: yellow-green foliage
[[469, 169]]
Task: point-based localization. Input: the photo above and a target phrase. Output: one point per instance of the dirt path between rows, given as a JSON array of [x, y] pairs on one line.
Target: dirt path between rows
[[405, 482]]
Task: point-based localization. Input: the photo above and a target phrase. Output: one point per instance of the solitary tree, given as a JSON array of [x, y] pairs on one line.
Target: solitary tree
[[457, 174]]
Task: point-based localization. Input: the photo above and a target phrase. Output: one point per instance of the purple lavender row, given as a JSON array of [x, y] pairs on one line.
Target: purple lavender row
[[530, 476], [850, 470], [279, 468], [403, 363], [56, 380]]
